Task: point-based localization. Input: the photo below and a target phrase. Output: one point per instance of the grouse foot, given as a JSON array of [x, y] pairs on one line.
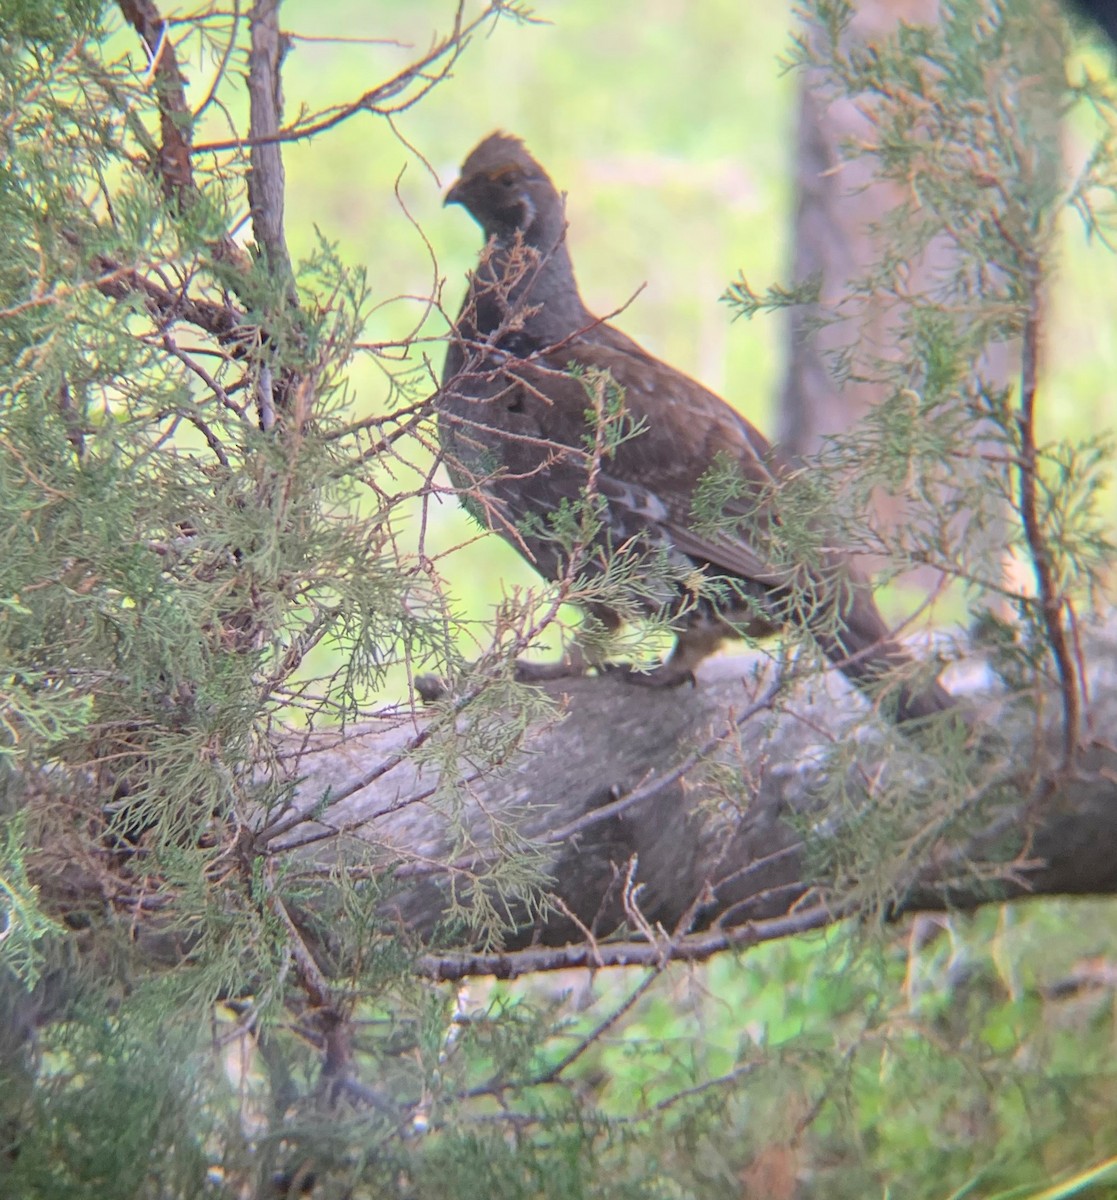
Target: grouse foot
[[666, 675], [573, 665]]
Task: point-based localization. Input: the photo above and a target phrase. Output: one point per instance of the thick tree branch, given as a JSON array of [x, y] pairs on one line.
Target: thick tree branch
[[721, 803], [752, 840], [176, 121], [266, 183]]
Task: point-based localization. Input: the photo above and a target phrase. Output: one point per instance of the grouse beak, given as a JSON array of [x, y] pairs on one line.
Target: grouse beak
[[456, 195]]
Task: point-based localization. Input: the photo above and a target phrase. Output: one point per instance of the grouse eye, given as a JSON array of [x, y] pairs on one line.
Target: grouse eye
[[508, 181]]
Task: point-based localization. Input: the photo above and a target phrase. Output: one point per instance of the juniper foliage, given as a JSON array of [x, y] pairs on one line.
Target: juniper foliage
[[203, 545]]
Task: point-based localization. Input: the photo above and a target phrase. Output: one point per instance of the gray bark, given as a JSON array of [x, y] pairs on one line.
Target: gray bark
[[721, 810]]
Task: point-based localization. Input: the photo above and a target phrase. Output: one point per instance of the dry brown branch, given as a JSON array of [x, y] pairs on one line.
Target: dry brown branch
[[1051, 600], [696, 948], [119, 281], [176, 171]]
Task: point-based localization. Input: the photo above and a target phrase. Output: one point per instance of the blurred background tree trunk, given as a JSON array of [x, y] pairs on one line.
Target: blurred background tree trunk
[[839, 202]]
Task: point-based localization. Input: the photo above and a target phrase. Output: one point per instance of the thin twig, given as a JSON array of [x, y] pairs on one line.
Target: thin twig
[[694, 948], [223, 65], [1051, 600], [375, 100]]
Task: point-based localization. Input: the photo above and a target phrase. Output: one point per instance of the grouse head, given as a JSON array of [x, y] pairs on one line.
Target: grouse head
[[505, 190]]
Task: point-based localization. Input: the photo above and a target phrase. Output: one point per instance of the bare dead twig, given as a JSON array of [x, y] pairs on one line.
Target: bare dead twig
[[693, 948], [1051, 601], [223, 65], [377, 100], [196, 368], [332, 1024], [310, 975], [552, 1073]]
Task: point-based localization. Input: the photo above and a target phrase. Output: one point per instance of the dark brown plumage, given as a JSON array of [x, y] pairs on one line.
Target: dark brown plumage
[[516, 420]]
